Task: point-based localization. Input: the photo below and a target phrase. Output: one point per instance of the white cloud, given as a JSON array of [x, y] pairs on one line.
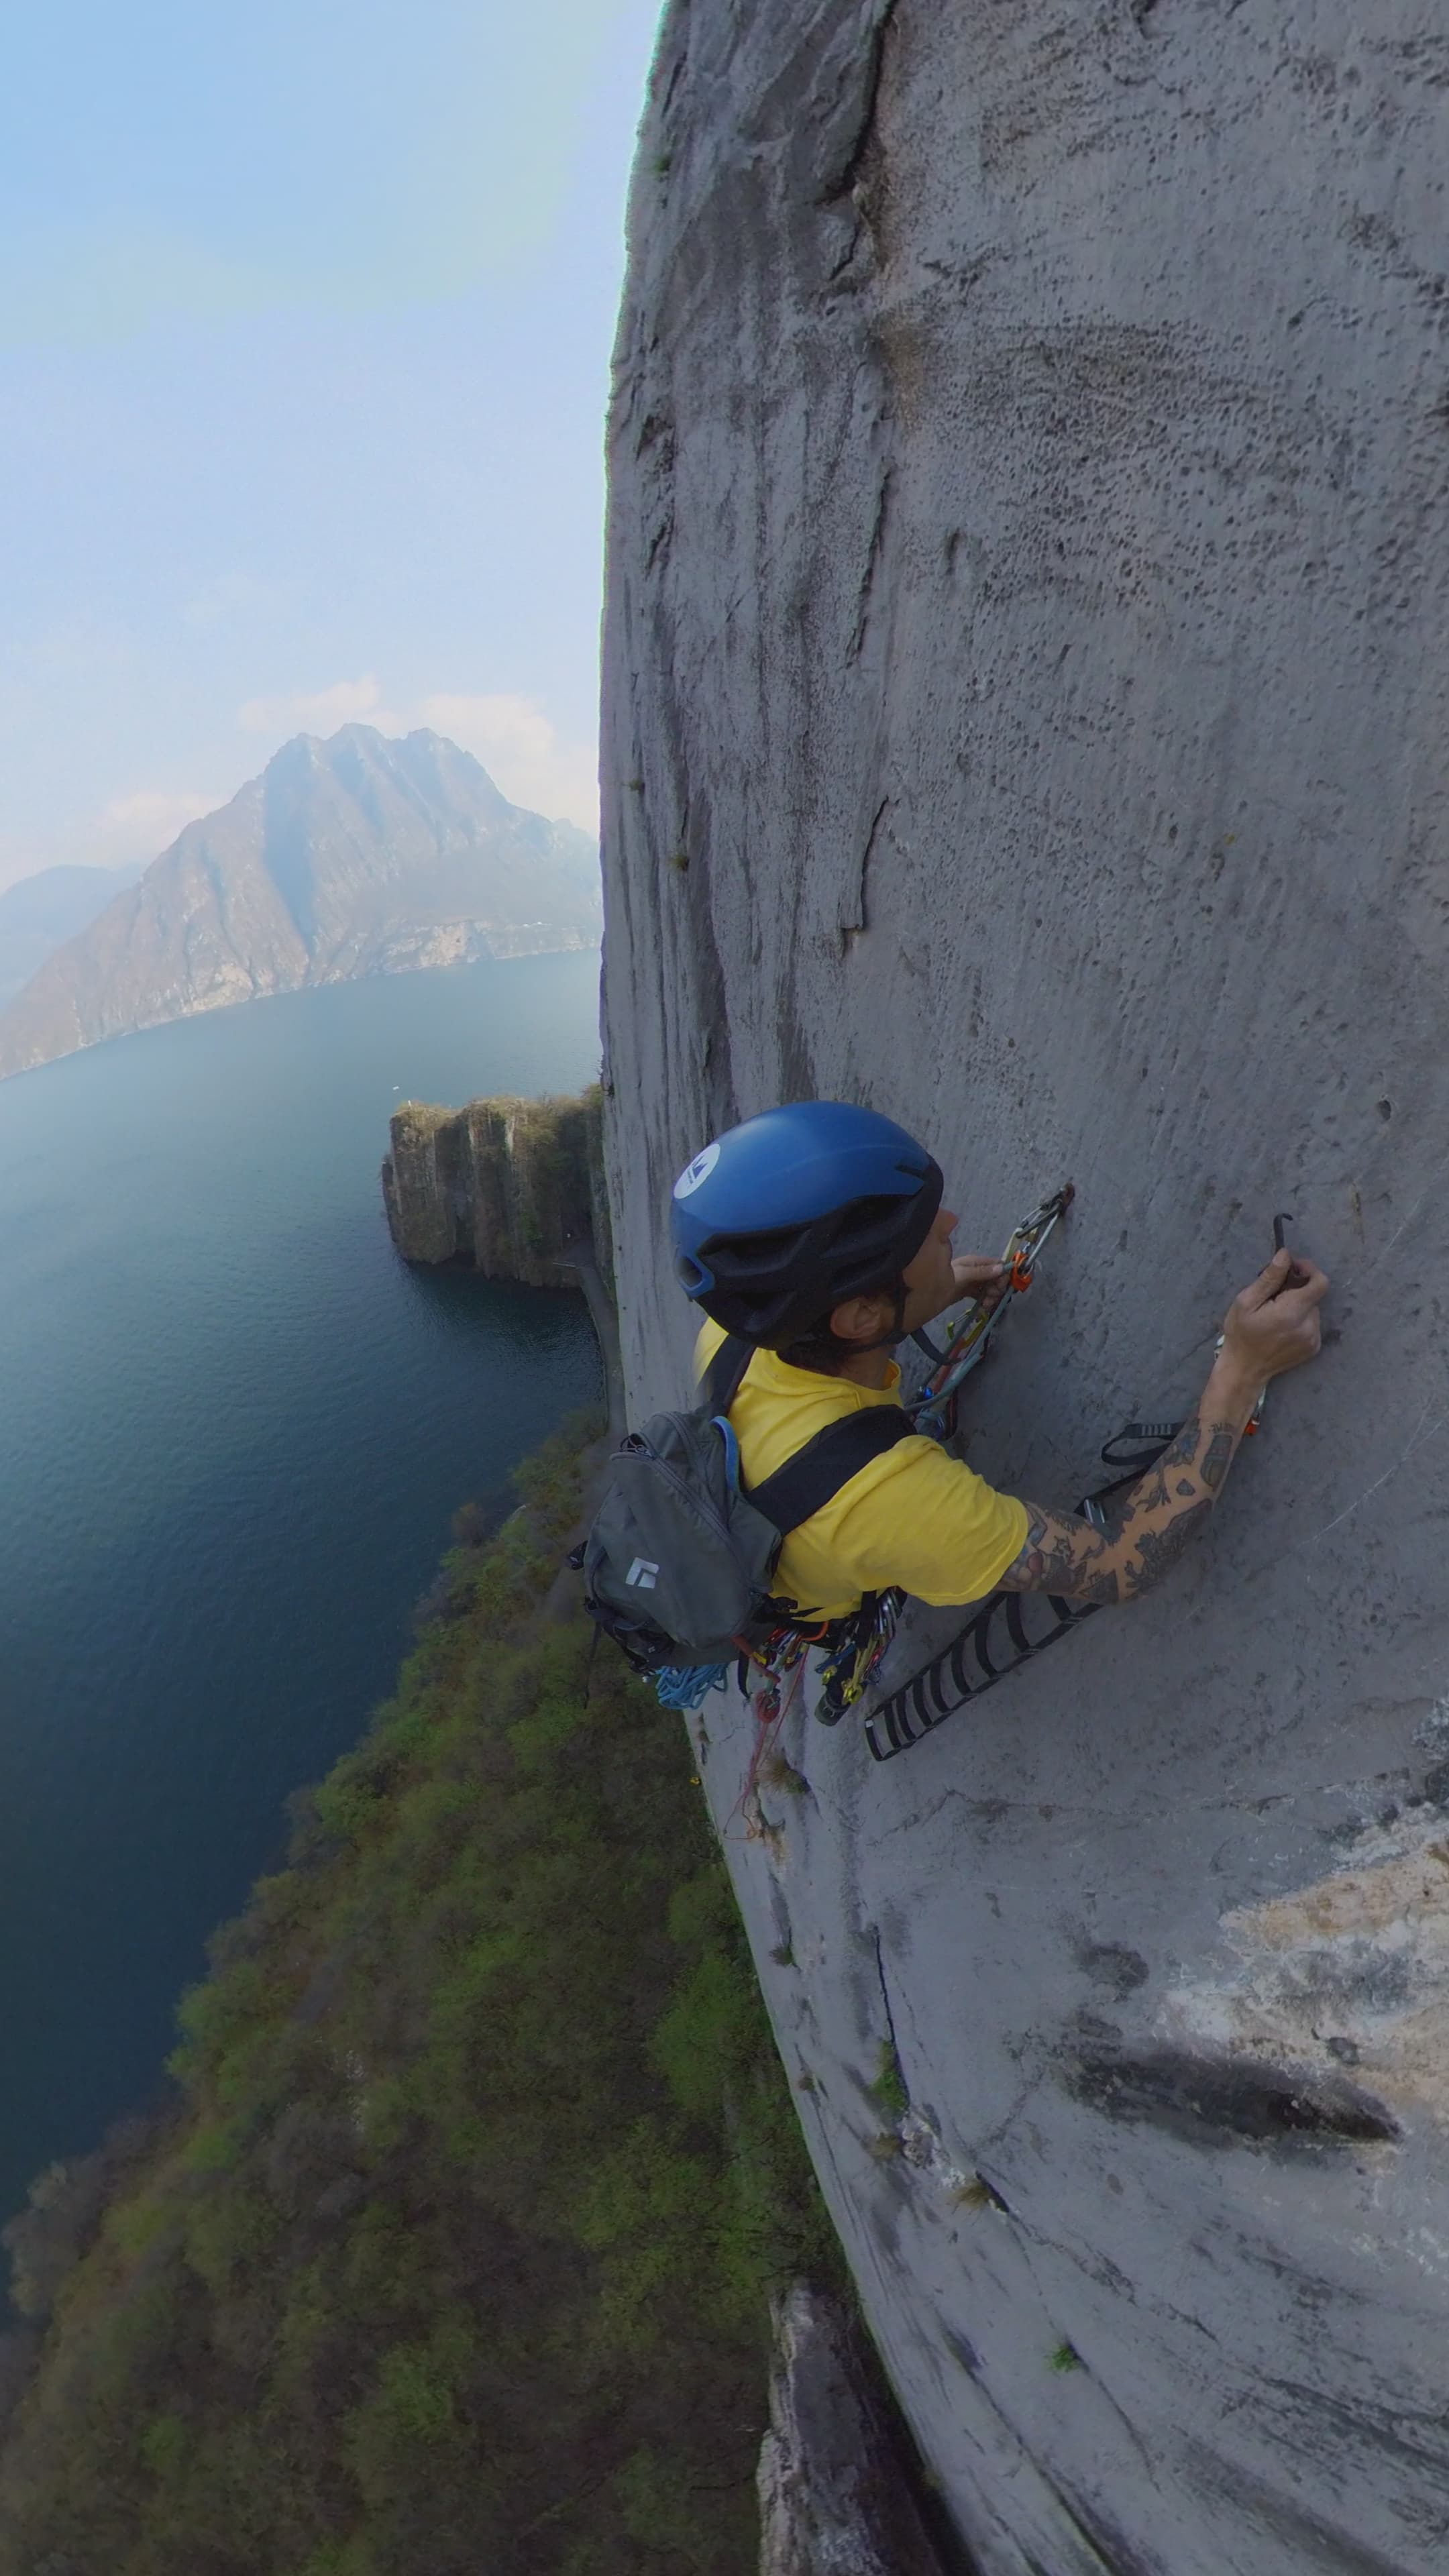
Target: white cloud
[[517, 742], [522, 753], [140, 826], [346, 702]]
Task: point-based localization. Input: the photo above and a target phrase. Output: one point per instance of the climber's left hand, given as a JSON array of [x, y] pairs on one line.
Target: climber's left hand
[[978, 1274]]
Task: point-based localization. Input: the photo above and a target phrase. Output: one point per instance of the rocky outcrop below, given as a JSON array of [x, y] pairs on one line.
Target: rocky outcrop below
[[836, 2498], [1025, 671], [510, 1188], [351, 857]]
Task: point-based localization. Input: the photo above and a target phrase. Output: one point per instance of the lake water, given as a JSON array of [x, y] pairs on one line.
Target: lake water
[[236, 1428]]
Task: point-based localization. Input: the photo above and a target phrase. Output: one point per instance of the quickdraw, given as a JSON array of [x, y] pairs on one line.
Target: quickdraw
[[850, 1659], [934, 1409]]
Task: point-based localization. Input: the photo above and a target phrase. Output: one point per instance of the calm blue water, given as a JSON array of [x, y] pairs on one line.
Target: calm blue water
[[235, 1430]]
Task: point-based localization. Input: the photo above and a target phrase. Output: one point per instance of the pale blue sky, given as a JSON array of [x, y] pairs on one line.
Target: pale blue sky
[[305, 313]]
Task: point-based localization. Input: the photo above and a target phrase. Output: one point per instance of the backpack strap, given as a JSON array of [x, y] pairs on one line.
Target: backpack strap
[[816, 1473], [724, 1374]]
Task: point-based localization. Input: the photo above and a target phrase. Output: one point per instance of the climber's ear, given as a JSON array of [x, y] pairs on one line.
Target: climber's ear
[[862, 1320]]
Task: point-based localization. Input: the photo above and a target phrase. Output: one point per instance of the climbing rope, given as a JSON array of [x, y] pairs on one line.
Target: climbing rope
[[770, 1703]]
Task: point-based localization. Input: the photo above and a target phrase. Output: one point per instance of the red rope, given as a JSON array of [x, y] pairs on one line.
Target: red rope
[[769, 1708]]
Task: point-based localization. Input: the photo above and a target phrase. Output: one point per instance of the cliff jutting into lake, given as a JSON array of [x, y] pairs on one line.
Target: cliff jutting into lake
[[512, 1188], [1025, 672]]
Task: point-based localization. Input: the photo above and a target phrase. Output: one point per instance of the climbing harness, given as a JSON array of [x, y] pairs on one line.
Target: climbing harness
[[853, 1651], [934, 1409]]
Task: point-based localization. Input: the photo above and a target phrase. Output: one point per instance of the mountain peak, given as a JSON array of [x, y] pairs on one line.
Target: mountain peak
[[355, 853]]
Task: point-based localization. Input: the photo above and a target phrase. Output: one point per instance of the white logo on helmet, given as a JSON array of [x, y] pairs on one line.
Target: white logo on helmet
[[695, 1172]]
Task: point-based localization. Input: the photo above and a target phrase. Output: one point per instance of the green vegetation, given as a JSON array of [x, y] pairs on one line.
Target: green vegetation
[[454, 2255], [889, 2087]]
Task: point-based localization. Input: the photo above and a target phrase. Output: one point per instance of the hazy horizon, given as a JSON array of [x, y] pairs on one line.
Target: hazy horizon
[[130, 867]]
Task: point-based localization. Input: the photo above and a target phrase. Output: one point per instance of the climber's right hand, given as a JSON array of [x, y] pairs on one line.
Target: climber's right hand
[[1271, 1327]]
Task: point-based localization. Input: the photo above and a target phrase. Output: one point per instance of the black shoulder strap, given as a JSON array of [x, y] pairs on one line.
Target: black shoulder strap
[[724, 1374], [816, 1473]]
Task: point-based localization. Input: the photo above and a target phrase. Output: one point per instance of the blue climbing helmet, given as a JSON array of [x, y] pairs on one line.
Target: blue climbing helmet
[[784, 1217]]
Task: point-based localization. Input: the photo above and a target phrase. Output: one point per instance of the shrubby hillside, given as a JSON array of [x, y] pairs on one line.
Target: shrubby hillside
[[453, 2255]]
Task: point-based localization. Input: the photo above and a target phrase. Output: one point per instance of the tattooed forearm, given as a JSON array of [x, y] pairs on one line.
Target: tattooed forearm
[[1159, 1550], [1218, 1455], [1079, 1562], [1063, 1556]]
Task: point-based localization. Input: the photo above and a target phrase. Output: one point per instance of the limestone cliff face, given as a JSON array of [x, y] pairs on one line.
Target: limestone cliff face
[[511, 1187], [835, 2499], [1025, 710], [356, 856]]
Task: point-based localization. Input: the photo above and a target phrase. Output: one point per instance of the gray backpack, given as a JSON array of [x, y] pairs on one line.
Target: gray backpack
[[680, 1559]]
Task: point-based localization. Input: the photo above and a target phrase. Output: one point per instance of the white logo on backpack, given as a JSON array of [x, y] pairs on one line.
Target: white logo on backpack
[[642, 1574]]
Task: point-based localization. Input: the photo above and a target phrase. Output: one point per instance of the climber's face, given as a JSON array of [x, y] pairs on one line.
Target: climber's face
[[930, 1285], [930, 1281]]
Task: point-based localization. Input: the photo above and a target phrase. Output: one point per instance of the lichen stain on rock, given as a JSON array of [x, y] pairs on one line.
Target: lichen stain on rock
[[1349, 1971], [1223, 2100]]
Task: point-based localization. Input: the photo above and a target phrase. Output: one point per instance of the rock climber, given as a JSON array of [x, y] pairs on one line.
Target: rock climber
[[817, 1232]]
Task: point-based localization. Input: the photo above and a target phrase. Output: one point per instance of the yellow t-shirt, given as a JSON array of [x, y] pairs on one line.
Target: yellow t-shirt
[[913, 1517]]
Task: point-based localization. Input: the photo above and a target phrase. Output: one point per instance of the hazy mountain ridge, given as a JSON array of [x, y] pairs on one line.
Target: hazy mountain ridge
[[351, 857], [39, 912]]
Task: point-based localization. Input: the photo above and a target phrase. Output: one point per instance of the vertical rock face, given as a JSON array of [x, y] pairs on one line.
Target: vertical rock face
[[1026, 678], [512, 1187], [834, 2500]]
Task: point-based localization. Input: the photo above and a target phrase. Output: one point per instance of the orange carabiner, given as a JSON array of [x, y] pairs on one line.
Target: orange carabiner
[[1021, 1273]]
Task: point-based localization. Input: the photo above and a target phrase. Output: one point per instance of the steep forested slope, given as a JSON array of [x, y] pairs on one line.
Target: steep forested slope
[[454, 2253]]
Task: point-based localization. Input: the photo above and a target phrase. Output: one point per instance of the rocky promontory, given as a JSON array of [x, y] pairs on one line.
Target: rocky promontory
[[510, 1188]]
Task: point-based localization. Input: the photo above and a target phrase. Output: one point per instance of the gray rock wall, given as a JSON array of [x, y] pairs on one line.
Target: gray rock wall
[[1025, 683], [835, 2500]]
